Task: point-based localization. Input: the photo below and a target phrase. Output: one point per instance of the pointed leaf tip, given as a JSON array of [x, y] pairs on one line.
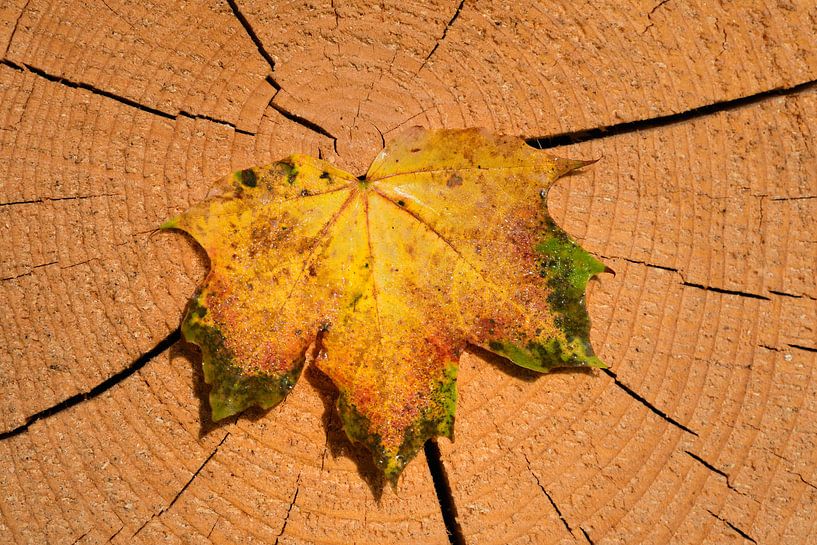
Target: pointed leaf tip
[[566, 166], [170, 223]]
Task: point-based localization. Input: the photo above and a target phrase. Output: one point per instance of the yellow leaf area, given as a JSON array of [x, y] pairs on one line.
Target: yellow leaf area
[[446, 242]]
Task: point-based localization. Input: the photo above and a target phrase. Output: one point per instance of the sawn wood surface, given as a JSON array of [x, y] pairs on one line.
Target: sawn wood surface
[[115, 115]]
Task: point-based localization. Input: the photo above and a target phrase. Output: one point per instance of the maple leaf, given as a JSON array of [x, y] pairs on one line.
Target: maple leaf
[[446, 242]]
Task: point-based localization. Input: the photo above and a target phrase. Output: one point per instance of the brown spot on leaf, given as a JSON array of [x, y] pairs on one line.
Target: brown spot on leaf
[[454, 181]]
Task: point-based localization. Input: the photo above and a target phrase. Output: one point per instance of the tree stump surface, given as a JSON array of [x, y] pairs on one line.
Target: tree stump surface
[[115, 115]]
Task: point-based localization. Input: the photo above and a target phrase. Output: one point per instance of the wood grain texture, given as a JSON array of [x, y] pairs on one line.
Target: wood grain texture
[[115, 115]]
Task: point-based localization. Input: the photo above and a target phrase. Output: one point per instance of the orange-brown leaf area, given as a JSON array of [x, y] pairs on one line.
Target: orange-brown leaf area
[[114, 115]]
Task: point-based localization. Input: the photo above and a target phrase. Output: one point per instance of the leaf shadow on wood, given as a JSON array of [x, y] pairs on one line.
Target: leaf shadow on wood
[[337, 443]]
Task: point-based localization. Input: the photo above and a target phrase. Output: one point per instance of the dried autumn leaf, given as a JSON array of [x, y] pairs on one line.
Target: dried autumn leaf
[[447, 241]]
